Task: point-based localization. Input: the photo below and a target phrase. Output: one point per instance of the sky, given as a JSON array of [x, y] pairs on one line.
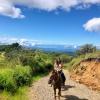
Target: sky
[[70, 22]]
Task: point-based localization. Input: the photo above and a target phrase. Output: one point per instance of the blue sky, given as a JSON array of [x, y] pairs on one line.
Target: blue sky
[[52, 25]]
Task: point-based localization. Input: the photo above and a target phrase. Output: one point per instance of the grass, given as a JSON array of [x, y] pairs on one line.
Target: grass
[[7, 81], [73, 64], [21, 94], [2, 56], [39, 76]]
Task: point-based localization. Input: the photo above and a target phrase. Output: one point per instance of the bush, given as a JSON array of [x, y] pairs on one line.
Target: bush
[[23, 75], [11, 79], [49, 67], [7, 81]]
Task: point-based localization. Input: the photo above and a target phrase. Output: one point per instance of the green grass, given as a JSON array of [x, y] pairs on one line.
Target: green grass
[[2, 57], [76, 60], [39, 76], [21, 94]]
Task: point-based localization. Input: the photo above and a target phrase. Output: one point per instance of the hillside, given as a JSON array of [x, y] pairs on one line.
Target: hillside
[[88, 72]]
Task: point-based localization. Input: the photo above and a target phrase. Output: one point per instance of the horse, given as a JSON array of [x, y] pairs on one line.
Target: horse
[[56, 81]]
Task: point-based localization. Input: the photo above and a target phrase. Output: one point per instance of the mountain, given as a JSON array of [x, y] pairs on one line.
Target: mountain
[[36, 45], [33, 44]]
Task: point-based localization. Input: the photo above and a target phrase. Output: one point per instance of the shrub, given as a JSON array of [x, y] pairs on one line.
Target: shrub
[[49, 66], [7, 81], [11, 79], [23, 75]]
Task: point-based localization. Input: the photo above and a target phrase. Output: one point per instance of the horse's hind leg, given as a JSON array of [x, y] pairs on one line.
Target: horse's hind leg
[[55, 94], [59, 93]]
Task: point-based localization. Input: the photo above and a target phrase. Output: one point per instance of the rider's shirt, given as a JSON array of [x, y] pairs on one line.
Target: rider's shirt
[[57, 67]]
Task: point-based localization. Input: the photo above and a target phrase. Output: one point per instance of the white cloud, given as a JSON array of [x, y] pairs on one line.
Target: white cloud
[[8, 7], [21, 41], [93, 25], [91, 1]]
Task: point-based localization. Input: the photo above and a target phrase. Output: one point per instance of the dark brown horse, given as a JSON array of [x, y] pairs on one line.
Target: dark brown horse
[[56, 81]]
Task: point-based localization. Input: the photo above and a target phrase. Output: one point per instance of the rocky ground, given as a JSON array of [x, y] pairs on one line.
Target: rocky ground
[[40, 90]]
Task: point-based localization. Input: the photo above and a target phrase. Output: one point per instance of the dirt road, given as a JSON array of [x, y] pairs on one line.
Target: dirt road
[[73, 91]]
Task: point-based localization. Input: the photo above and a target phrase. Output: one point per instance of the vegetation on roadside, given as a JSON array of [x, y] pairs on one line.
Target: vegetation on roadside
[[84, 52], [12, 79], [20, 66], [21, 94]]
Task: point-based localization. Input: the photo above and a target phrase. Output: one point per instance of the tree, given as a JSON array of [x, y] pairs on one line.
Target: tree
[[87, 48], [15, 45], [12, 47]]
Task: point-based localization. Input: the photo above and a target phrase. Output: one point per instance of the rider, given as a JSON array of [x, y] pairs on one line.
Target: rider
[[58, 67]]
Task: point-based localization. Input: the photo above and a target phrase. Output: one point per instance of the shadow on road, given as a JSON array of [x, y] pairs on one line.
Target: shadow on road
[[72, 97], [66, 87]]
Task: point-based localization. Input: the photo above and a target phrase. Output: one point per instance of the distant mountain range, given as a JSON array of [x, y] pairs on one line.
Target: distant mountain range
[[45, 47], [48, 47]]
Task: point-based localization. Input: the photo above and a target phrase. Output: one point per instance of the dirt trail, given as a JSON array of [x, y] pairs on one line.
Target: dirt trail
[[73, 91]]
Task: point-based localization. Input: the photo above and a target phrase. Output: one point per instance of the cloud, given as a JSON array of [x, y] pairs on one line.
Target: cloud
[[21, 41], [93, 25], [91, 1], [8, 7]]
